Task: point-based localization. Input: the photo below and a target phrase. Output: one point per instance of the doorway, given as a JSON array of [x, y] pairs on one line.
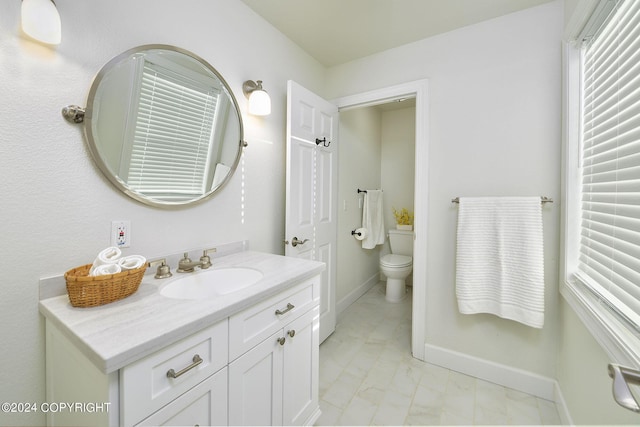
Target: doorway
[[416, 90]]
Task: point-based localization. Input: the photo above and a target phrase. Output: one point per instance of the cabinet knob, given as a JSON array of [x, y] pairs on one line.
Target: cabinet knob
[[281, 340], [292, 333]]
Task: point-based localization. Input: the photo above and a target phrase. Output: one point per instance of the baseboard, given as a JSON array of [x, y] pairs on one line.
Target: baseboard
[[357, 293], [517, 379], [563, 411]]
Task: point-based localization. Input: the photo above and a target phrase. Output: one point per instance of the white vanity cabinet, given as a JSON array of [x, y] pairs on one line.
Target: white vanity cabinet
[[273, 348], [259, 366]]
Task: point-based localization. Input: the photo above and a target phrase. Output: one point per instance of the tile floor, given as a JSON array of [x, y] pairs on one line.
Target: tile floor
[[368, 377]]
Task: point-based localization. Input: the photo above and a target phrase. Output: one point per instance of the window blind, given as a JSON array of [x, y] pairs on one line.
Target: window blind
[[609, 259], [172, 136]]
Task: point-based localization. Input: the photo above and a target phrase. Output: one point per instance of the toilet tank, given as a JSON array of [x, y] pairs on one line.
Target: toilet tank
[[401, 242]]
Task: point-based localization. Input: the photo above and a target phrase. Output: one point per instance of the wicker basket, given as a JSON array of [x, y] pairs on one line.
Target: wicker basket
[[91, 291]]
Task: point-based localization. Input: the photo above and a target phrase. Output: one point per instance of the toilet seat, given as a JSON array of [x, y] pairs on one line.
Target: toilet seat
[[396, 261]]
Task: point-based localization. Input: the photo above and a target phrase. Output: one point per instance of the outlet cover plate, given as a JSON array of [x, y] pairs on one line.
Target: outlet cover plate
[[121, 233]]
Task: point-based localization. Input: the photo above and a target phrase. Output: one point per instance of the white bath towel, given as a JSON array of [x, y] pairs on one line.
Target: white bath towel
[[105, 269], [372, 219], [131, 262], [110, 255], [499, 259]]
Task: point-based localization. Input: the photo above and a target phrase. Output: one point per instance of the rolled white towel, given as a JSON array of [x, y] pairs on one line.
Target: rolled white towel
[[105, 269], [131, 262], [110, 255]]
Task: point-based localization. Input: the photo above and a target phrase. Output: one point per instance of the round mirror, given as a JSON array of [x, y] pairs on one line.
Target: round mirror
[[163, 126]]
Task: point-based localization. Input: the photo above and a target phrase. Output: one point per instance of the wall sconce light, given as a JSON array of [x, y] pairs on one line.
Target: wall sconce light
[[259, 100], [41, 21]]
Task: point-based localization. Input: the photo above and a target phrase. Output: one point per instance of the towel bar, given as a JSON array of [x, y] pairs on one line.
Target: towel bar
[[543, 199]]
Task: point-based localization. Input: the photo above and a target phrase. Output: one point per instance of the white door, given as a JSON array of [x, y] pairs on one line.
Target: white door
[[311, 189]]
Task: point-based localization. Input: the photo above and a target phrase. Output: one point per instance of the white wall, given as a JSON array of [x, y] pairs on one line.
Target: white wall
[[494, 100], [398, 165], [359, 168], [56, 206]]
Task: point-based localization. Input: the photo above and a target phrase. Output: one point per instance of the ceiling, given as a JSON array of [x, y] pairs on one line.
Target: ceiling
[[338, 31]]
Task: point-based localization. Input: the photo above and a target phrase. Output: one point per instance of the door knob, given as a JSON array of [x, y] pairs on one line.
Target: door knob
[[295, 242]]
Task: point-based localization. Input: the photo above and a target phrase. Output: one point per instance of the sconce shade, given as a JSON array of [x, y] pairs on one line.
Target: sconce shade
[[41, 21], [259, 100]]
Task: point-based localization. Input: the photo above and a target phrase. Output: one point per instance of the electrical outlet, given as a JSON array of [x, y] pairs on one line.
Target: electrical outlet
[[121, 234]]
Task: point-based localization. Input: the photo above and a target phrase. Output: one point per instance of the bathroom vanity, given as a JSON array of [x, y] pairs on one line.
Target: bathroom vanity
[[248, 357]]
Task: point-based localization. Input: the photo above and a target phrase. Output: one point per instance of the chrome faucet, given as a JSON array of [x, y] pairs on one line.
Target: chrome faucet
[[185, 265]]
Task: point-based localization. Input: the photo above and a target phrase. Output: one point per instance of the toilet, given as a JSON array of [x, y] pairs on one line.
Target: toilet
[[397, 265]]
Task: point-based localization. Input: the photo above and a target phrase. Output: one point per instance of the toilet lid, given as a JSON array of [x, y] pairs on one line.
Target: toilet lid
[[395, 260]]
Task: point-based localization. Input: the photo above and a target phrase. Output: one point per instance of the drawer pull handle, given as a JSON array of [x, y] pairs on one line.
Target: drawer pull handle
[[289, 308], [196, 361], [281, 340], [292, 333]]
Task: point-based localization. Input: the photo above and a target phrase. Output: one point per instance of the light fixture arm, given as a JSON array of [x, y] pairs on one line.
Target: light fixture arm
[[249, 86]]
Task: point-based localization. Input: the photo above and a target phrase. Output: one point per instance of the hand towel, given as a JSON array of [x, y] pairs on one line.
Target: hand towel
[[131, 262], [499, 258], [110, 255], [372, 219], [105, 269]]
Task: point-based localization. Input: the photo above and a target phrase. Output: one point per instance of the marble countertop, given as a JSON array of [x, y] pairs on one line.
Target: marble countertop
[[116, 334]]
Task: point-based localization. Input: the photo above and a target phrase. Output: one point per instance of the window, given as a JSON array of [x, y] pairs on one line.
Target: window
[[172, 130], [602, 223]]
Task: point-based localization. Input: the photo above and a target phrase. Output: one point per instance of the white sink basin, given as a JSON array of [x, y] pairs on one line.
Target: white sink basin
[[211, 283]]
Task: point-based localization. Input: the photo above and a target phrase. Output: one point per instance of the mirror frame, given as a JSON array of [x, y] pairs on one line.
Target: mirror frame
[[94, 149]]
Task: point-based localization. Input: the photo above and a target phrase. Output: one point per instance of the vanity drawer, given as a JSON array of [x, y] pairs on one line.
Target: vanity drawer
[[146, 386], [249, 327]]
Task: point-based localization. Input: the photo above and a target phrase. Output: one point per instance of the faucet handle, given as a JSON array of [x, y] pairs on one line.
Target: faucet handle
[[205, 259], [183, 264], [163, 270]]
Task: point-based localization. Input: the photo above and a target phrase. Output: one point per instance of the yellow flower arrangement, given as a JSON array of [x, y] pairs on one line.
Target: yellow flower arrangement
[[403, 216]]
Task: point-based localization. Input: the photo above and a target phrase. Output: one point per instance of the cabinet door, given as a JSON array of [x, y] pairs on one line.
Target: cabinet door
[[205, 405], [300, 372], [255, 385]]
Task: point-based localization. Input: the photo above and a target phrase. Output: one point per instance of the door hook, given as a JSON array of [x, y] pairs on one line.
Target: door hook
[[323, 141]]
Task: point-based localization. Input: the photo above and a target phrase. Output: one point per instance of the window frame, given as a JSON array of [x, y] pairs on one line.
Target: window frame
[[616, 339], [193, 80]]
